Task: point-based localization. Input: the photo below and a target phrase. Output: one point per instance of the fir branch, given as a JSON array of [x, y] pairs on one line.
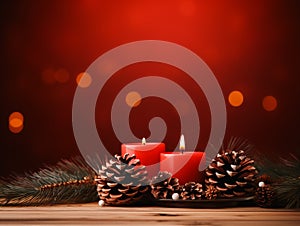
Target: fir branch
[[288, 192], [237, 143], [70, 181], [283, 167], [285, 177], [288, 187]]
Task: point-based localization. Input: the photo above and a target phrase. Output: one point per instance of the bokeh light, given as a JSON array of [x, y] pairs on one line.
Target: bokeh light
[[16, 129], [83, 80], [16, 122], [61, 75], [269, 103], [16, 115], [133, 99], [50, 76], [236, 98]]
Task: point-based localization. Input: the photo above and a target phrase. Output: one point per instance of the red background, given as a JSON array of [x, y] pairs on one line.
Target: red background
[[251, 46]]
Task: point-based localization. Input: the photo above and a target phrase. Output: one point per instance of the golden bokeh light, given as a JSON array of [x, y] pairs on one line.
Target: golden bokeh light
[[133, 99], [61, 75], [236, 98], [16, 129], [269, 103], [16, 122], [83, 80], [16, 115]]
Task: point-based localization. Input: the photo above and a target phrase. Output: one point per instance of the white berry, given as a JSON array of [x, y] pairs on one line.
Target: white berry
[[175, 196], [261, 184], [101, 203]]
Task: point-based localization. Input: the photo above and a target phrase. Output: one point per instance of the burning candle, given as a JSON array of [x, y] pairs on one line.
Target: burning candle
[[147, 153], [183, 165]]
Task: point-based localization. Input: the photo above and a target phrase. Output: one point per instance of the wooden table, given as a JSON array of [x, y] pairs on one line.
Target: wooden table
[[92, 214]]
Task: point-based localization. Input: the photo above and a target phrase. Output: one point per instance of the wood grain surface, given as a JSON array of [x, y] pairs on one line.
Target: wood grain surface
[[92, 214]]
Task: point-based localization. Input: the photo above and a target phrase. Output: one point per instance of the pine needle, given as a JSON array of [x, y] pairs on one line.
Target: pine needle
[[70, 181], [288, 192], [237, 143], [286, 176]]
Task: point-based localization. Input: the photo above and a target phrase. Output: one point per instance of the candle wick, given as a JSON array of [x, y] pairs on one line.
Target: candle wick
[[182, 150], [144, 141]]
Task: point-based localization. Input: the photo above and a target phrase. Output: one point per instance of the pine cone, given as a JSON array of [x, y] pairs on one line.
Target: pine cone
[[264, 195], [121, 181], [192, 191], [164, 186], [232, 173], [211, 192]]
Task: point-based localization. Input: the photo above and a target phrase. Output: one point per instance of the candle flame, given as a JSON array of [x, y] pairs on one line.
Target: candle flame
[[182, 143], [144, 141]]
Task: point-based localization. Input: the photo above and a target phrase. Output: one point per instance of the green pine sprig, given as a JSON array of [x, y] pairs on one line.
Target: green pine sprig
[[70, 181], [287, 189], [237, 143], [285, 174], [288, 192]]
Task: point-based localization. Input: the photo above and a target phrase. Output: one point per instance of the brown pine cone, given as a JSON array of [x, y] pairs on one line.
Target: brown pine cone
[[211, 192], [192, 191], [264, 195], [232, 173], [164, 186], [121, 181]]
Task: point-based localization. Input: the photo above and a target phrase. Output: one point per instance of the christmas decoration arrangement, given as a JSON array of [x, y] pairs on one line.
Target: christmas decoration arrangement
[[235, 173]]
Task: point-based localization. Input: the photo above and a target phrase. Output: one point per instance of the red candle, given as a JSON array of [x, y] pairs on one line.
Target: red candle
[[183, 165], [147, 153]]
